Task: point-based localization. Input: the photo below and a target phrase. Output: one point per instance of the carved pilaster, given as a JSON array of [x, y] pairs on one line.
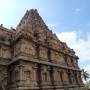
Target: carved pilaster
[[79, 78], [66, 61], [39, 79], [69, 76], [35, 68], [52, 72], [75, 75], [21, 68], [49, 54]]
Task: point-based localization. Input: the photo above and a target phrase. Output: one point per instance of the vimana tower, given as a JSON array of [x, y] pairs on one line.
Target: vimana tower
[[33, 58]]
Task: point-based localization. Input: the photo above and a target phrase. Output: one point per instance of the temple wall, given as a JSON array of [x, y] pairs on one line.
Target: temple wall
[[33, 58]]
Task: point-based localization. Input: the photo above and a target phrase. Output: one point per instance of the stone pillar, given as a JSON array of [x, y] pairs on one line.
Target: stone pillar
[[37, 50], [21, 73], [39, 79], [3, 77], [75, 75], [49, 54], [46, 77], [69, 76], [80, 79], [60, 79], [65, 58], [52, 77], [49, 77], [61, 75], [36, 74], [65, 77]]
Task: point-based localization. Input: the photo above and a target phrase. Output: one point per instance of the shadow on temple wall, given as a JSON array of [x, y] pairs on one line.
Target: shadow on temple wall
[[2, 86]]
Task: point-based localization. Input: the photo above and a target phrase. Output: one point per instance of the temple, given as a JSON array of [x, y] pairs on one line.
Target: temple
[[33, 58]]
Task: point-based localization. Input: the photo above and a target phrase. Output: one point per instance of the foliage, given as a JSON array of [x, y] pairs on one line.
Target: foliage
[[87, 84], [85, 75]]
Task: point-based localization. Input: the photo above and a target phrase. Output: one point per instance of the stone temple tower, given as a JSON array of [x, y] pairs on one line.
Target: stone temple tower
[[33, 58]]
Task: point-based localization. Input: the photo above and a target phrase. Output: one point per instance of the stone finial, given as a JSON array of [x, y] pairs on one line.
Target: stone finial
[[1, 25], [33, 12], [12, 29]]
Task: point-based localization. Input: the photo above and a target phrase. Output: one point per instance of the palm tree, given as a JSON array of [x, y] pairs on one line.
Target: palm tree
[[85, 75]]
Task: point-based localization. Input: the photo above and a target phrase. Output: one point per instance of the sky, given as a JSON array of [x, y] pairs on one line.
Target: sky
[[69, 19]]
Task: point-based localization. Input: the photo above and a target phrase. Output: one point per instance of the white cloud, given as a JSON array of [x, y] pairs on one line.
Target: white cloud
[[87, 68], [69, 37], [81, 46]]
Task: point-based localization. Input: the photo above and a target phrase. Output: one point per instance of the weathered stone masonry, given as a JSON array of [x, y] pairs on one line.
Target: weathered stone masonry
[[33, 58]]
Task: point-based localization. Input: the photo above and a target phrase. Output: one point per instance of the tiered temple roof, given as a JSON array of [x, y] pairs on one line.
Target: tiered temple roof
[[33, 27]]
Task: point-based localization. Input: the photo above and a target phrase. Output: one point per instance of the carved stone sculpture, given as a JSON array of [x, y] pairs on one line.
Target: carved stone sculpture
[[33, 58]]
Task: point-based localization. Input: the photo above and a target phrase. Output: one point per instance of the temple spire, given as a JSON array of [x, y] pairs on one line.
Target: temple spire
[[31, 17]]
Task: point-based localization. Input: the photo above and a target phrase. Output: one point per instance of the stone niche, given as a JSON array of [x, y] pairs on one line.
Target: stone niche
[[40, 36], [61, 59], [43, 53], [61, 74], [56, 74], [29, 74], [69, 61], [45, 75], [17, 48], [5, 36], [57, 57], [54, 56], [23, 74], [5, 52], [28, 48]]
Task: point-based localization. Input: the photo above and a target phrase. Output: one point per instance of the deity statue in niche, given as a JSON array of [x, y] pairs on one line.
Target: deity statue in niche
[[43, 52]]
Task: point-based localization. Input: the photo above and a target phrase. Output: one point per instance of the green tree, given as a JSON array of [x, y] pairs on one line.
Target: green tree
[[85, 75], [88, 84]]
